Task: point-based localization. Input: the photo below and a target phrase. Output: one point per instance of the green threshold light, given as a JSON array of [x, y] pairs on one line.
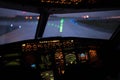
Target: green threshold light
[[61, 25]]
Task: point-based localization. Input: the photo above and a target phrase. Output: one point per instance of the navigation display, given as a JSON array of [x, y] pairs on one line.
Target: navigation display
[[93, 55], [83, 57], [70, 58]]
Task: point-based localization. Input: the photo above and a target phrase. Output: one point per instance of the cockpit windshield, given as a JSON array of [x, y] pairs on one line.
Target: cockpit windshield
[[98, 25], [16, 25]]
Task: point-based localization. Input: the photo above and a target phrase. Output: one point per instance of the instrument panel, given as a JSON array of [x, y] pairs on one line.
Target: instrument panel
[[52, 56]]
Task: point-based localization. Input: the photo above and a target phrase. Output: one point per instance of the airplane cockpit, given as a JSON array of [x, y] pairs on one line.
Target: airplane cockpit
[[59, 40]]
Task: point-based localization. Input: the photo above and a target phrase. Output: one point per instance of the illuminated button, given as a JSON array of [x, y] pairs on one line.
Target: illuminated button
[[33, 66], [23, 44]]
